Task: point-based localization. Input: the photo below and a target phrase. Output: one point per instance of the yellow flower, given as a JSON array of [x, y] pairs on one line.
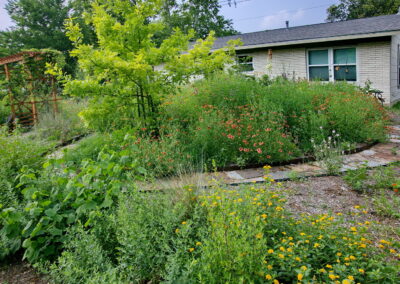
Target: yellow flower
[[264, 216], [328, 266], [357, 206], [198, 244], [281, 255], [282, 249], [191, 249], [184, 223], [316, 245], [302, 234], [298, 258], [270, 251], [353, 229], [268, 277], [259, 235], [304, 268], [352, 257], [350, 277], [392, 251], [345, 281], [322, 270], [276, 281], [299, 276], [177, 231], [240, 200], [189, 189], [332, 277], [362, 271], [339, 254], [269, 267]]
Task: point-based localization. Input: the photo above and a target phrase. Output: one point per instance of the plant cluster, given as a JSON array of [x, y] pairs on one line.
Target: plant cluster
[[221, 235], [232, 120], [382, 183]]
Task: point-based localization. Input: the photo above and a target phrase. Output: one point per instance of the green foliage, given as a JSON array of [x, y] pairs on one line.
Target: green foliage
[[222, 235], [17, 151], [84, 260], [40, 25], [203, 16], [122, 74], [4, 111], [63, 125], [383, 186], [231, 119], [355, 9], [57, 197]]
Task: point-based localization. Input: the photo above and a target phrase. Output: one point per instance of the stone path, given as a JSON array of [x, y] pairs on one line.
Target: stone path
[[381, 154]]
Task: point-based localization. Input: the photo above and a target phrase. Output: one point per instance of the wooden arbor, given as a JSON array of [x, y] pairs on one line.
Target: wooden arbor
[[30, 90]]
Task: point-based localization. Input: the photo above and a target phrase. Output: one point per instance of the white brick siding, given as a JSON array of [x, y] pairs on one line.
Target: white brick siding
[[373, 63], [395, 90]]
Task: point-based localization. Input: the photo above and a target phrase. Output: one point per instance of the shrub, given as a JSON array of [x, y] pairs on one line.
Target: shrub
[[17, 151], [63, 125]]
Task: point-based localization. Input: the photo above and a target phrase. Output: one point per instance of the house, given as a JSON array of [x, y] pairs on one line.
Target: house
[[354, 51]]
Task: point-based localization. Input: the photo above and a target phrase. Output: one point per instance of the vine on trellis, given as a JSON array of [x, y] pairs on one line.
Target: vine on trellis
[[25, 85]]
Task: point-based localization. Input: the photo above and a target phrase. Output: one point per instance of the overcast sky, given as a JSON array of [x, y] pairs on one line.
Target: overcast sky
[[254, 15]]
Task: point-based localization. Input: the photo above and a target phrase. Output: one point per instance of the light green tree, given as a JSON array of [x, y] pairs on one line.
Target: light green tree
[[126, 73]]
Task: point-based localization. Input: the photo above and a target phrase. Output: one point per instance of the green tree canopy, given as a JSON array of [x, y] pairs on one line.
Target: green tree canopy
[[39, 24], [202, 16], [355, 9], [123, 70]]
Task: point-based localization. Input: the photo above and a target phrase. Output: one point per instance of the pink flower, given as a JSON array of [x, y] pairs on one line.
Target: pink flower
[[259, 151], [230, 136], [268, 129]]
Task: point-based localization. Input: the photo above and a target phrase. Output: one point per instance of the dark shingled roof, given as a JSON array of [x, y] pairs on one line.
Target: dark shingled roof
[[324, 30]]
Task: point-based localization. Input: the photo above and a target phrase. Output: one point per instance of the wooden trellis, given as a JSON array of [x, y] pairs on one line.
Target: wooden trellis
[[27, 103]]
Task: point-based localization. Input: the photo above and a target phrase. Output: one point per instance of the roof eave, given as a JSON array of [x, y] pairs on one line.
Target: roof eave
[[316, 40]]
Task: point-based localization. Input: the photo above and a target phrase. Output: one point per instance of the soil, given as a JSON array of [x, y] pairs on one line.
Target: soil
[[331, 195], [18, 272]]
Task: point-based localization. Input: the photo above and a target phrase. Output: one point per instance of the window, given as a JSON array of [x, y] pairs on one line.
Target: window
[[344, 64], [245, 63], [332, 64], [318, 62]]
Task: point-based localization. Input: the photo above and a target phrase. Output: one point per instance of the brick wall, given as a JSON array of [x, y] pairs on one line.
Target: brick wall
[[374, 65]]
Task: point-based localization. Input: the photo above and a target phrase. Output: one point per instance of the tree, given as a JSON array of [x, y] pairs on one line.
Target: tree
[[121, 72], [355, 9], [39, 24], [200, 15]]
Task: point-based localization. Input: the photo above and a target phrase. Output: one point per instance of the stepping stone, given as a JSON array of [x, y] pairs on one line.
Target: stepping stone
[[234, 175]]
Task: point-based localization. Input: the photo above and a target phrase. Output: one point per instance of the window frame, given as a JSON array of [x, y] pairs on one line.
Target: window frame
[[240, 64], [331, 64]]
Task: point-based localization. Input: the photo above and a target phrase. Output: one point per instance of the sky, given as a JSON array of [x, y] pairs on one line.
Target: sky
[[253, 15]]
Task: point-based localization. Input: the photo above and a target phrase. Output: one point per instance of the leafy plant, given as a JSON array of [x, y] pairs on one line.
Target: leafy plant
[[57, 198]]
